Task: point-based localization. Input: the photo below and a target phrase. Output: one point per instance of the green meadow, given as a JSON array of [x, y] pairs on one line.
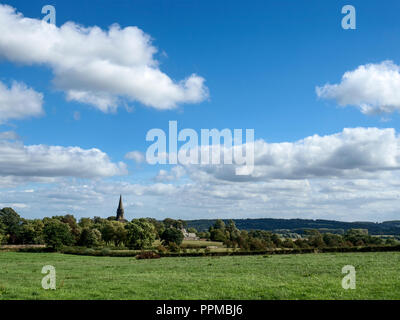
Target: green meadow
[[305, 276]]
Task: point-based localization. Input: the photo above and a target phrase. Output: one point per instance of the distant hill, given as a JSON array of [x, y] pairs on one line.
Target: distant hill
[[299, 225]]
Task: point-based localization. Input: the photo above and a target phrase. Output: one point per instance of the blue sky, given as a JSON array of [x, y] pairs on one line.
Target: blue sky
[[261, 61]]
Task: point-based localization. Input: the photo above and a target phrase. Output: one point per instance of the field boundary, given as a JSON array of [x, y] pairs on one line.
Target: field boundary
[[238, 253], [133, 253]]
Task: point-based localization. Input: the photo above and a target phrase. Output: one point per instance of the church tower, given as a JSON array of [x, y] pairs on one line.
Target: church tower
[[120, 210]]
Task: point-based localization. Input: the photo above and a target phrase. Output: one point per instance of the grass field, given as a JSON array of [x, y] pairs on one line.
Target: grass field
[[306, 276]]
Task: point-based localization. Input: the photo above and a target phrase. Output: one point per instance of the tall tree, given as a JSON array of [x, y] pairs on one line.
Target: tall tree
[[12, 223], [90, 237], [172, 235], [140, 234], [57, 234]]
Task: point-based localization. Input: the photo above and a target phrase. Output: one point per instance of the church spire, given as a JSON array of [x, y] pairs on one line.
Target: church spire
[[120, 210]]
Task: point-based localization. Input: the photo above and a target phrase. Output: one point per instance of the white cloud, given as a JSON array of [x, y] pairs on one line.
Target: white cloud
[[174, 174], [19, 102], [350, 175], [44, 161], [136, 156], [8, 135], [11, 181], [94, 66], [352, 153], [373, 88], [343, 199]]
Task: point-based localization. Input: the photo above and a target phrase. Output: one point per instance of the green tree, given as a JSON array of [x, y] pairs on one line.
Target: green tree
[[12, 224], [256, 244], [121, 233], [71, 221], [140, 234], [276, 240], [159, 226], [113, 232], [171, 223], [90, 237], [288, 243], [219, 224], [233, 232], [391, 242], [108, 232], [218, 232], [204, 235], [219, 235], [3, 234], [302, 243], [57, 234], [31, 232], [315, 239], [99, 220], [360, 237], [333, 240], [85, 223], [172, 235]]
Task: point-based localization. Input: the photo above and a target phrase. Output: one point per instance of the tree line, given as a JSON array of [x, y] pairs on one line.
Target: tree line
[[258, 240], [139, 234], [299, 225], [59, 231]]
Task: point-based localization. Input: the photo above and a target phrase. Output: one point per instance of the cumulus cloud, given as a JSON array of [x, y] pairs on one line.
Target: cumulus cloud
[[373, 88], [174, 174], [95, 66], [342, 199], [44, 161], [352, 153], [350, 175], [8, 135], [19, 101], [136, 156]]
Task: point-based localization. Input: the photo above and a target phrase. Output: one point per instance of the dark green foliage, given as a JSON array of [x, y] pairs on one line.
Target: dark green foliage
[[158, 226], [172, 235], [288, 243], [218, 232], [90, 237], [31, 232], [140, 233], [391, 242], [3, 233], [204, 235], [11, 222], [192, 230], [333, 240], [57, 234], [299, 225], [100, 252], [69, 220], [302, 244], [113, 232], [219, 224], [171, 223], [218, 235], [360, 237], [86, 223], [315, 239]]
